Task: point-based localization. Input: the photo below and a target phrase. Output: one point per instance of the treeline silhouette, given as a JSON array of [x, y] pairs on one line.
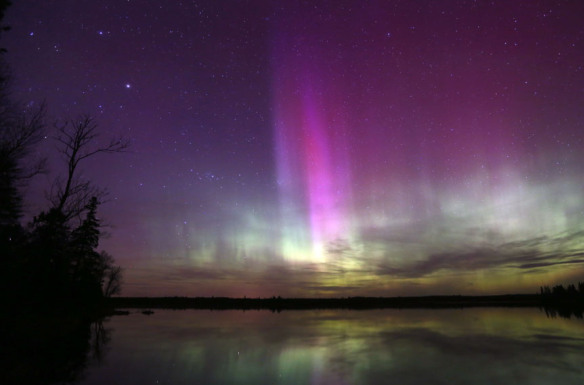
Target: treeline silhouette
[[52, 260], [559, 292], [277, 304], [563, 301], [54, 263]]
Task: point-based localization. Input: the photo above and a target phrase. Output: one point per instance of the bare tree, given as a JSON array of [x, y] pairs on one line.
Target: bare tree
[[20, 132], [21, 127], [113, 283], [77, 142], [112, 276]]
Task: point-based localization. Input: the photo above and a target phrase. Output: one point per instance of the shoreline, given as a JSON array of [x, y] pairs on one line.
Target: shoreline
[[349, 303]]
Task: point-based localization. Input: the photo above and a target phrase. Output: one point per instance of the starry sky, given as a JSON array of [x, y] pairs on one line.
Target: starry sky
[[321, 148]]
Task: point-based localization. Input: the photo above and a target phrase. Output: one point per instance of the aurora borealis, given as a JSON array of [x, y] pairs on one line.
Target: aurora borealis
[[323, 148]]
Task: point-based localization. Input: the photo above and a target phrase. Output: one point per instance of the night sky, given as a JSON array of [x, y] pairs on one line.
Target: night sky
[[322, 148]]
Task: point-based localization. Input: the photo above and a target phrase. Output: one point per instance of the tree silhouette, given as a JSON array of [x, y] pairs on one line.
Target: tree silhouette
[[46, 258], [20, 132], [112, 283], [86, 266], [76, 138], [21, 129], [4, 4], [54, 260], [67, 256]]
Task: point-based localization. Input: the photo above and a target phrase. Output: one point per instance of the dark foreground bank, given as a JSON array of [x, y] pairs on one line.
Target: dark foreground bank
[[354, 303]]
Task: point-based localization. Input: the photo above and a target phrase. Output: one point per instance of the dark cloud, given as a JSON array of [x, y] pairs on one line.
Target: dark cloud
[[525, 254], [547, 264]]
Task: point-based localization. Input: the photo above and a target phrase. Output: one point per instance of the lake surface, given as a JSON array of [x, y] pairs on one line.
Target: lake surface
[[447, 346]]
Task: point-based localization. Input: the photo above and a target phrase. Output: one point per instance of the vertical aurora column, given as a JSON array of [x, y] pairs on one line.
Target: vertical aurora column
[[312, 163]]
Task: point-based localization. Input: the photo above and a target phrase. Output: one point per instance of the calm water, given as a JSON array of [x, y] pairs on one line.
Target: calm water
[[478, 346]]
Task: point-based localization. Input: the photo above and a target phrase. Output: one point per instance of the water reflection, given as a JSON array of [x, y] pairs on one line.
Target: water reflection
[[51, 349], [343, 347], [564, 311]]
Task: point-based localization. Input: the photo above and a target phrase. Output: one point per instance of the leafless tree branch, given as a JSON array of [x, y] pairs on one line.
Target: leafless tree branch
[[77, 142], [19, 133]]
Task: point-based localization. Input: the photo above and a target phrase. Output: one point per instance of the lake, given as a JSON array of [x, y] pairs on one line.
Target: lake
[[415, 346]]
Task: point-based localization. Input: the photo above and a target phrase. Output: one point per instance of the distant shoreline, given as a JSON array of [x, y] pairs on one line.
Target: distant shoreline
[[350, 303]]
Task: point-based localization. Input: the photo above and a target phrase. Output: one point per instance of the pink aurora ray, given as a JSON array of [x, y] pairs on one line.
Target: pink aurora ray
[[312, 160]]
